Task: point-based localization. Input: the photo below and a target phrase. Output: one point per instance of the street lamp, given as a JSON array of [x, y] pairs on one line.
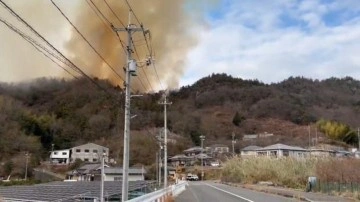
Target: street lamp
[[202, 138]]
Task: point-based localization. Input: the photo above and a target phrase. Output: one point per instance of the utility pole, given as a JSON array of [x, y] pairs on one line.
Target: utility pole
[[233, 143], [202, 138], [26, 164], [102, 177], [159, 139], [309, 136], [165, 139], [359, 139], [129, 71]]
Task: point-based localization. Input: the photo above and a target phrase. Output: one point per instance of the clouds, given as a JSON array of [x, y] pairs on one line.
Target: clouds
[[272, 40]]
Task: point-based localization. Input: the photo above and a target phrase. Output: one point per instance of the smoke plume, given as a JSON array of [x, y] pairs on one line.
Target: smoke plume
[[170, 26]]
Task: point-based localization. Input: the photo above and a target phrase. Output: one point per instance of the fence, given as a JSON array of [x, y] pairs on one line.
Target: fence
[[330, 187], [160, 195]]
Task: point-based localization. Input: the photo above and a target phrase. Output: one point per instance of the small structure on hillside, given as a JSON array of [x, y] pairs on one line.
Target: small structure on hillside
[[60, 156], [89, 153]]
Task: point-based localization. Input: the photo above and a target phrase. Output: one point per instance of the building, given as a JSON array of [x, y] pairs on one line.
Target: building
[[219, 149], [193, 151], [115, 174], [181, 160], [249, 151], [89, 153], [282, 150], [256, 136], [60, 156], [92, 172]]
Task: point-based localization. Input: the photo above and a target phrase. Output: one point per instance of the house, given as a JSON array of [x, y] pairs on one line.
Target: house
[[321, 152], [281, 150], [219, 149], [115, 174], [84, 173], [60, 156], [193, 151], [181, 160], [256, 136], [89, 153], [92, 172], [249, 151]]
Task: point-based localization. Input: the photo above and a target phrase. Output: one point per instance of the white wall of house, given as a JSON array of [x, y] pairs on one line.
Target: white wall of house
[[60, 156], [248, 153], [282, 153]]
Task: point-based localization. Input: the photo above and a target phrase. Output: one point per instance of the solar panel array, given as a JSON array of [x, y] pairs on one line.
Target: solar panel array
[[65, 191]]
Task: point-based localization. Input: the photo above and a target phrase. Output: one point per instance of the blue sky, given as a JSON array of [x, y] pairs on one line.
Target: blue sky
[[272, 40]]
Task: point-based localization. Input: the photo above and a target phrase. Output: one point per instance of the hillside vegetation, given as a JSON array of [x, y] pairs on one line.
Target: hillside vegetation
[[37, 114]]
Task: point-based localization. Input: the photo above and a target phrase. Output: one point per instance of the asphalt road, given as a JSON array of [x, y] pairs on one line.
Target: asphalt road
[[214, 192]]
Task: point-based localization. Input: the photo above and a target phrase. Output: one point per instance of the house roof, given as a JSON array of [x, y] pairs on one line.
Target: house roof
[[203, 156], [90, 144], [281, 147], [192, 149], [180, 156], [119, 170], [251, 148]]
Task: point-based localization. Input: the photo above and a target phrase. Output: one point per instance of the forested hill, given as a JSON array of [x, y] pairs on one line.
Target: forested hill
[[66, 113]]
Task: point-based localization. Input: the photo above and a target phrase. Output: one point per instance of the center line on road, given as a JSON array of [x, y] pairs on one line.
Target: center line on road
[[228, 192]]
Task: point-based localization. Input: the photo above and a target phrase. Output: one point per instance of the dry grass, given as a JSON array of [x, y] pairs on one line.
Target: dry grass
[[285, 172]]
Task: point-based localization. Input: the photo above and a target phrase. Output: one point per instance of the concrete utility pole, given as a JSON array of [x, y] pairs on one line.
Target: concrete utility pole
[[102, 177], [309, 136], [359, 139], [165, 139], [233, 143], [159, 139], [26, 164], [130, 71], [202, 138]]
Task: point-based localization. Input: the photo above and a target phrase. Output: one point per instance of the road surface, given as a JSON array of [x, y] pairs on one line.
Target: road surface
[[215, 192]]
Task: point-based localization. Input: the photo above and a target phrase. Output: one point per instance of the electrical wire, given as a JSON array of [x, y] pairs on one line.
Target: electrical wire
[[36, 45], [70, 63], [114, 14], [87, 41]]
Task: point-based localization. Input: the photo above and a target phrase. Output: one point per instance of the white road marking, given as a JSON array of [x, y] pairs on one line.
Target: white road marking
[[228, 192]]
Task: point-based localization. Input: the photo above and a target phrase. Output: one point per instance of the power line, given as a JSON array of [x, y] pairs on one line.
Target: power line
[[147, 44], [77, 30], [114, 13], [72, 65], [106, 25], [37, 46]]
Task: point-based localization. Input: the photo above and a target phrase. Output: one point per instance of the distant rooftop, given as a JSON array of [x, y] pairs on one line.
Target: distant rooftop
[[251, 148], [281, 147]]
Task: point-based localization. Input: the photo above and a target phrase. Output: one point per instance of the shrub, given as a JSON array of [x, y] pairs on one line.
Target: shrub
[[286, 172]]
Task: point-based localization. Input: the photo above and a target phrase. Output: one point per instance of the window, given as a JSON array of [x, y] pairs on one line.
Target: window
[[64, 153], [95, 151], [55, 153], [273, 153], [78, 150], [117, 178], [95, 160], [86, 160], [286, 153], [87, 151]]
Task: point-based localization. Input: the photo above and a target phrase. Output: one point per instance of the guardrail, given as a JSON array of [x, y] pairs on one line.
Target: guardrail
[[160, 195]]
